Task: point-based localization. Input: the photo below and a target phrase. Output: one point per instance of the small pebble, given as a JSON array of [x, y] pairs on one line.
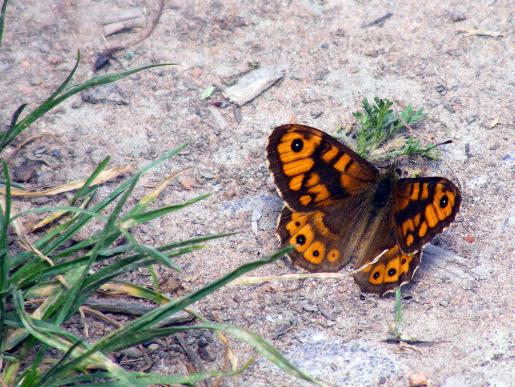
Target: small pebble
[[441, 89], [444, 303], [132, 353], [456, 16], [309, 307], [418, 379], [153, 347], [202, 342]]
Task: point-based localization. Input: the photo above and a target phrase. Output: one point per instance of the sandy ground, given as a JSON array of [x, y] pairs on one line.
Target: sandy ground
[[454, 58]]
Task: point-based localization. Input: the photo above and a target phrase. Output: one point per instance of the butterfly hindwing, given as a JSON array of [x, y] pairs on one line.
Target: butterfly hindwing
[[394, 268], [312, 170], [317, 247], [422, 208]]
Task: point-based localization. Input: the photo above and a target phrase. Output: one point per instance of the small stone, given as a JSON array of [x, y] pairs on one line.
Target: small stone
[[186, 182], [132, 353], [106, 94], [77, 103], [418, 379], [309, 307], [204, 354], [456, 16], [327, 314], [372, 53], [35, 81], [202, 342], [469, 238], [206, 174], [54, 60], [321, 75], [153, 347], [444, 303], [340, 32], [25, 171], [441, 89]]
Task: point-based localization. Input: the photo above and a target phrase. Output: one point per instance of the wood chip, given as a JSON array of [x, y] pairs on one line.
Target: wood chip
[[494, 123], [254, 83]]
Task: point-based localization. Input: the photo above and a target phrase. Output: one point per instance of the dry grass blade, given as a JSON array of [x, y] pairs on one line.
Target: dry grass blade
[[151, 196], [480, 32], [104, 176]]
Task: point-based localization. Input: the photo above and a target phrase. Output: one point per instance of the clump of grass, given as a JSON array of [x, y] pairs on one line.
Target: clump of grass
[[378, 123], [48, 281]]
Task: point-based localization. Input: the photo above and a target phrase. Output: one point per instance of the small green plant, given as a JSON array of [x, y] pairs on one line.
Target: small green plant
[[378, 123], [48, 281]]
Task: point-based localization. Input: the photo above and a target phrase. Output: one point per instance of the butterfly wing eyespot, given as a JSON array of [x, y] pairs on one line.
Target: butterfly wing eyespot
[[422, 208], [312, 170], [394, 268]]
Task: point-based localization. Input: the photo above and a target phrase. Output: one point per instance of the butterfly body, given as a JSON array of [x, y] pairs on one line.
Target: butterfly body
[[340, 208]]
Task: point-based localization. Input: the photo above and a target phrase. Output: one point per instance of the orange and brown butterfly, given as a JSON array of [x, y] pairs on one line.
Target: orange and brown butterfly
[[340, 207]]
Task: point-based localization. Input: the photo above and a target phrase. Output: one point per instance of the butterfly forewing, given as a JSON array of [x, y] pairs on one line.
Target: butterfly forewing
[[422, 208], [313, 170]]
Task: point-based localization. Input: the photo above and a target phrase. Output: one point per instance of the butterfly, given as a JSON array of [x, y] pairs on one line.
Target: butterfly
[[341, 208]]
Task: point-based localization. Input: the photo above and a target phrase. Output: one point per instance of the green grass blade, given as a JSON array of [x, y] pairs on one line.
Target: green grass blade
[[190, 380], [145, 217], [2, 20], [151, 252], [62, 340], [4, 251], [143, 292], [61, 234], [50, 373], [107, 273], [67, 81], [14, 118], [173, 307], [121, 335], [87, 184], [257, 342], [49, 104], [113, 252]]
